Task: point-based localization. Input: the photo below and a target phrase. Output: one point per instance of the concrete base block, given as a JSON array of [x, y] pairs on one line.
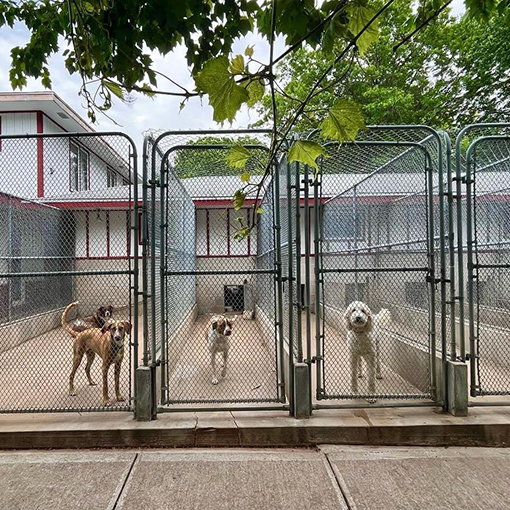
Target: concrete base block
[[302, 389], [144, 394], [457, 388]]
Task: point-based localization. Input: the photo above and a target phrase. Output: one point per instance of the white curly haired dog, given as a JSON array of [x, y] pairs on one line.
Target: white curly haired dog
[[363, 342]]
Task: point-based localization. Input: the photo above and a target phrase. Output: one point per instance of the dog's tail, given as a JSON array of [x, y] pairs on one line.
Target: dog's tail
[[383, 318], [64, 319]]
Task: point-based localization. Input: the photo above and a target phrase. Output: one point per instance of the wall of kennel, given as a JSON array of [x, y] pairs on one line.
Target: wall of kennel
[[198, 269], [67, 234], [482, 159], [379, 239]]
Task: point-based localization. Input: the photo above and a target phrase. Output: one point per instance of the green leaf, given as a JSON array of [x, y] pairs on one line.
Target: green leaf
[[237, 65], [238, 156], [335, 32], [249, 51], [343, 121], [359, 17], [256, 91], [245, 177], [260, 211], [239, 198], [225, 95], [114, 87], [306, 152]]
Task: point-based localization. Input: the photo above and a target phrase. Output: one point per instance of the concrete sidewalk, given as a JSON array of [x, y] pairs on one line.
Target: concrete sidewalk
[[329, 477]]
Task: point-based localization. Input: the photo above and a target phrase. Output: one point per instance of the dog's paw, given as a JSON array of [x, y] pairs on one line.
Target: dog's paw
[[72, 394], [121, 398], [224, 372], [92, 383], [107, 402], [378, 376], [371, 400], [215, 381], [360, 375]]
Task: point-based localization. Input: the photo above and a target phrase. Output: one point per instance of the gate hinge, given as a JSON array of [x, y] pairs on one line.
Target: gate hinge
[[156, 182], [471, 356]]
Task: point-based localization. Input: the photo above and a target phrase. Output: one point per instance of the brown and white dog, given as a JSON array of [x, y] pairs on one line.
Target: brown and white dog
[[107, 343], [218, 340], [97, 320]]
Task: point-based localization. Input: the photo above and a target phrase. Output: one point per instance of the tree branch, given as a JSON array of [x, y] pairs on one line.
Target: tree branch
[[423, 24]]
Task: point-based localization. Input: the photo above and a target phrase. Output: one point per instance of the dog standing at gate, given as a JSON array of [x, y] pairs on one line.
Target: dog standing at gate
[[363, 337], [218, 341], [107, 343]]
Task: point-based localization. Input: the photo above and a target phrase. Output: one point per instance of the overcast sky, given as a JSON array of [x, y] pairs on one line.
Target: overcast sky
[[144, 113]]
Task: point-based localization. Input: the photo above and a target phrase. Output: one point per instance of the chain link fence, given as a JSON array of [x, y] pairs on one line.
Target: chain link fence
[[209, 269], [379, 236], [487, 256], [66, 235]]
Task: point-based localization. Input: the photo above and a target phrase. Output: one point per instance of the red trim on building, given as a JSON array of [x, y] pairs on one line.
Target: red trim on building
[[40, 156], [108, 234], [95, 204], [128, 233], [87, 234], [223, 256], [249, 237], [228, 232], [207, 232], [221, 203]]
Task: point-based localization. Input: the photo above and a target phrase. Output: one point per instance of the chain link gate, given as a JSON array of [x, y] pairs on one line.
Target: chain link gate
[[197, 270], [379, 239], [483, 151], [68, 233]]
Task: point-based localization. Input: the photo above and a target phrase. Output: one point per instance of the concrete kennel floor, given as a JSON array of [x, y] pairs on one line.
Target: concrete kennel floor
[[35, 375], [251, 368]]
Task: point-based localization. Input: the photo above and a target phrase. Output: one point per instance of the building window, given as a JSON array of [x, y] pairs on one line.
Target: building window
[[79, 162], [111, 178]]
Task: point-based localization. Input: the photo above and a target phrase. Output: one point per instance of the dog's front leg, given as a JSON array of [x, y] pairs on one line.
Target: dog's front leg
[[370, 359], [378, 372], [118, 396], [106, 398], [213, 365], [225, 359], [354, 372]]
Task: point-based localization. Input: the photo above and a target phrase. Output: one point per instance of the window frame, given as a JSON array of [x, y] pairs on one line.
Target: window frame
[[76, 180]]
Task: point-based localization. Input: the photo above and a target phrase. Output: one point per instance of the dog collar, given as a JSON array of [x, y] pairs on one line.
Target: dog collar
[[115, 347]]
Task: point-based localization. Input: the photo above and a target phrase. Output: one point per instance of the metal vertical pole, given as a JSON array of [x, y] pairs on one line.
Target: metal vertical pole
[[9, 254], [470, 267], [442, 258], [431, 275], [290, 283], [355, 223], [318, 276], [299, 301], [307, 277], [145, 282], [134, 238], [278, 275], [162, 268]]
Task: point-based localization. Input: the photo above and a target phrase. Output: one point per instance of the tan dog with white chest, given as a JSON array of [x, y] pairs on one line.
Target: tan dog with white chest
[[107, 343]]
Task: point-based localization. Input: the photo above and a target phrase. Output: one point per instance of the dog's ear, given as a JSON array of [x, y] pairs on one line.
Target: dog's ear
[[127, 325], [106, 326], [101, 310], [110, 309], [214, 323], [347, 318], [370, 319]]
